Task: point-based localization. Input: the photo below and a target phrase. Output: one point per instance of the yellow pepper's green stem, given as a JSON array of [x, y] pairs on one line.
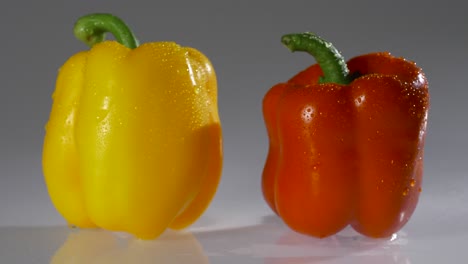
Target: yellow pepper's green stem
[[92, 29], [328, 57]]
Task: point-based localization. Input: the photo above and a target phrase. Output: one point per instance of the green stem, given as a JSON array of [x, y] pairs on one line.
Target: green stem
[[92, 29], [327, 56]]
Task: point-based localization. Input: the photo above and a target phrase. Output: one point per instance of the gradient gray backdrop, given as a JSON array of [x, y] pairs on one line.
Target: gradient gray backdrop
[[242, 39]]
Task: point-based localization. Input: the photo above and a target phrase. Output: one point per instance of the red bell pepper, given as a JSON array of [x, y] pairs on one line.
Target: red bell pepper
[[346, 142]]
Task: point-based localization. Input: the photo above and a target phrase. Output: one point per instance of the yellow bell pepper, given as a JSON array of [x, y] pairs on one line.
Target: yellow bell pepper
[[134, 141]]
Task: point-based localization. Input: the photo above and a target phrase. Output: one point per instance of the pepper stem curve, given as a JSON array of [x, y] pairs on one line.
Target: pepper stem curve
[[327, 56], [92, 29]]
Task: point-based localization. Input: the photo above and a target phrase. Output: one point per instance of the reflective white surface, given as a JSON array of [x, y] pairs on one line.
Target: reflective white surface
[[437, 234]]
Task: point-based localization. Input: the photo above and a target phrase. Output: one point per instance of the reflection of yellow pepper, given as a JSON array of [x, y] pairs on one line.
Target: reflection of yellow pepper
[[93, 246], [133, 142]]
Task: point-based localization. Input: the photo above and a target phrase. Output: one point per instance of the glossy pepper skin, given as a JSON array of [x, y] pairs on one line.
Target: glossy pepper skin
[[345, 149], [134, 139]]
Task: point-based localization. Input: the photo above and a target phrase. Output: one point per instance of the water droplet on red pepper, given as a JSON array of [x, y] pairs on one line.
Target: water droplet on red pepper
[[405, 192]]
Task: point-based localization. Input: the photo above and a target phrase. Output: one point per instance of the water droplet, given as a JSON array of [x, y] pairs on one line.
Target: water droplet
[[391, 162], [307, 114], [405, 192], [412, 183], [358, 101], [419, 189], [315, 167]]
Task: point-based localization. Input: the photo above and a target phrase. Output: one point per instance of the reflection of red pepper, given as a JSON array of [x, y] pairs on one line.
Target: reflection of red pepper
[[345, 147]]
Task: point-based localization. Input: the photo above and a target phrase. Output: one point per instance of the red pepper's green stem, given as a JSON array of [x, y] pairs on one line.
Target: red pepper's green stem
[[328, 57], [92, 29]]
